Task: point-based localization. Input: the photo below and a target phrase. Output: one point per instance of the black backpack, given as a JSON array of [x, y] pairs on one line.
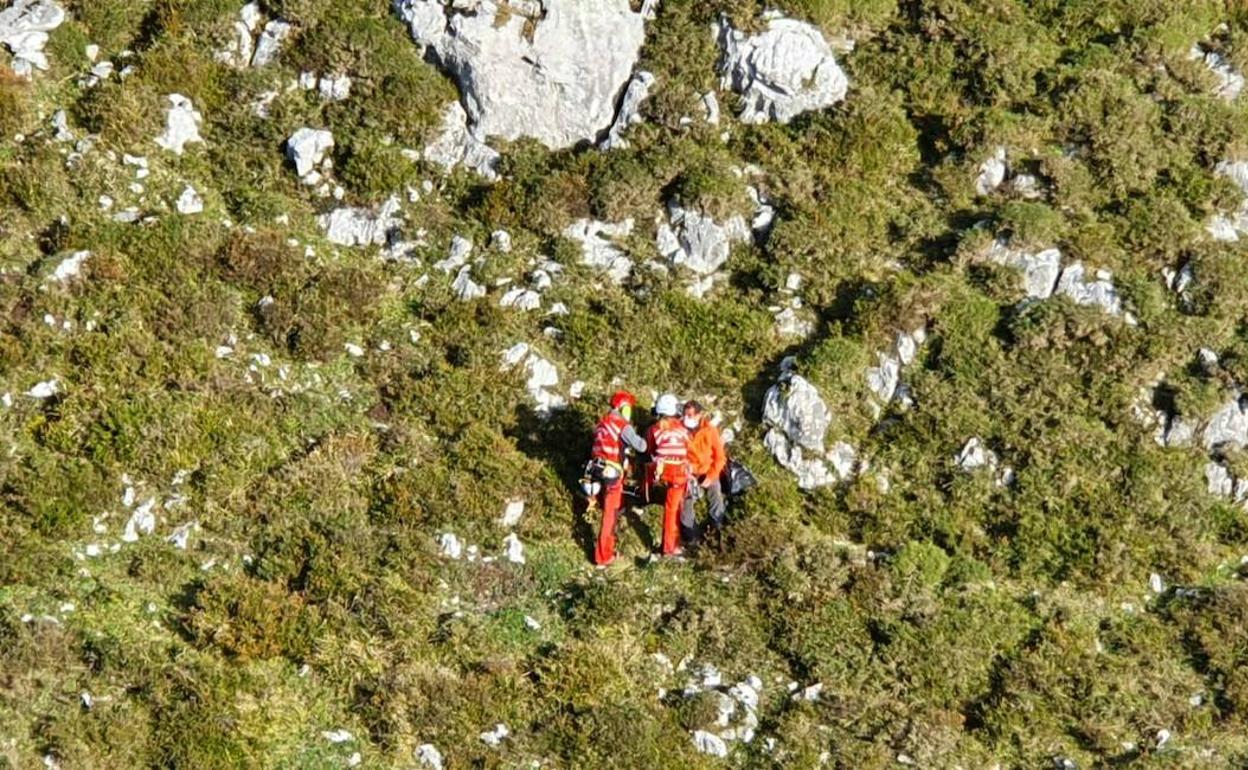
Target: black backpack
[[737, 479]]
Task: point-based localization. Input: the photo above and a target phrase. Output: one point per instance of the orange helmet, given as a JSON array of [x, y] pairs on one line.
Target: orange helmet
[[622, 397]]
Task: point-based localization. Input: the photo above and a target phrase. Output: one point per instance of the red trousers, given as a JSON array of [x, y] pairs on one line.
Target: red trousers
[[609, 497], [676, 480]]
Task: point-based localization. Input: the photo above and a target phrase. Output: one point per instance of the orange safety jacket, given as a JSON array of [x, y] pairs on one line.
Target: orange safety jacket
[[707, 456]]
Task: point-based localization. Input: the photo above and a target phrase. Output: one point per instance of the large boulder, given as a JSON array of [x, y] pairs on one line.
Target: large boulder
[[783, 71], [694, 240], [550, 70]]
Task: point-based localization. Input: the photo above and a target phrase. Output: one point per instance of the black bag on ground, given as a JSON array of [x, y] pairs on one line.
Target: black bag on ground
[[737, 479]]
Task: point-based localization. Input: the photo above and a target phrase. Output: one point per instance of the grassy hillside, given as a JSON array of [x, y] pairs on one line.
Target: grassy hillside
[[311, 418]]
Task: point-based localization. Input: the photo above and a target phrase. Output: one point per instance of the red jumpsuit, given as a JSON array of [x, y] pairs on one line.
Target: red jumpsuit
[[613, 431], [669, 448]]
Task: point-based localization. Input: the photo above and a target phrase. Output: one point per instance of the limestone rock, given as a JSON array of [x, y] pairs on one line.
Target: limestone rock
[[361, 227], [1040, 270], [694, 240], [456, 145], [630, 109], [306, 149], [1228, 427], [797, 409], [189, 202], [1098, 291], [1230, 81], [1228, 227], [783, 71], [550, 70], [991, 173], [270, 43], [181, 125], [24, 28], [597, 248]]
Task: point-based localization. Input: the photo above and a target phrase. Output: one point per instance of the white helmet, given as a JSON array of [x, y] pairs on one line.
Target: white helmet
[[667, 406]]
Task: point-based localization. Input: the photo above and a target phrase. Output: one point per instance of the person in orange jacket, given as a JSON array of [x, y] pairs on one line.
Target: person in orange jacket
[[669, 452], [707, 459], [613, 434]]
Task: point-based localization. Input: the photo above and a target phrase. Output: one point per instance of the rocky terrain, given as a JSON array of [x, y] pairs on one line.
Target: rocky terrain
[[310, 306]]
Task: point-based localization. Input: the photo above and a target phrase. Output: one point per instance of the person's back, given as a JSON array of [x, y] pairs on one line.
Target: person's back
[[669, 451]]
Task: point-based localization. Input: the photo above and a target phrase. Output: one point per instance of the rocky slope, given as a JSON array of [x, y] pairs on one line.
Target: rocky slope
[[309, 307]]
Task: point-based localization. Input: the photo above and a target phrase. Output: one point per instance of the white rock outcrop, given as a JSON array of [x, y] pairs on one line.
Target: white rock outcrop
[[1229, 227], [69, 267], [1044, 276], [549, 69], [182, 123], [630, 109], [542, 376], [1098, 290], [785, 70], [1040, 269], [691, 239], [189, 202], [598, 249], [798, 421], [884, 379], [24, 28], [992, 173], [362, 227], [252, 44], [306, 149], [1230, 81]]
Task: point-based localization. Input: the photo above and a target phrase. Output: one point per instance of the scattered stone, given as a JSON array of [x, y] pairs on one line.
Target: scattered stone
[[710, 104], [798, 419], [992, 173], [45, 390], [495, 737], [630, 109], [457, 256], [306, 149], [181, 535], [270, 43], [428, 756], [181, 125], [542, 376], [1155, 584], [335, 88], [24, 28], [337, 736], [512, 513], [69, 267], [786, 70], [189, 202], [141, 522], [450, 546], [521, 299], [60, 122], [361, 227], [549, 70], [710, 743], [597, 248], [464, 287], [513, 548], [1228, 227]]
